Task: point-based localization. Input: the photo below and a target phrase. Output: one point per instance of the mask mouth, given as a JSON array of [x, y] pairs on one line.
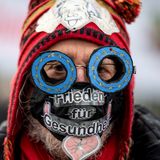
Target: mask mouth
[[81, 112], [78, 128], [82, 102]]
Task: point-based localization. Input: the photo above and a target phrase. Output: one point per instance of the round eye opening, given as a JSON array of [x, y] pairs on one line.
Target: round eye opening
[[122, 72], [53, 79], [54, 73], [110, 69]]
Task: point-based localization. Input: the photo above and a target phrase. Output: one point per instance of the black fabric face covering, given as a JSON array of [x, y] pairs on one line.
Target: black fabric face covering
[[38, 99]]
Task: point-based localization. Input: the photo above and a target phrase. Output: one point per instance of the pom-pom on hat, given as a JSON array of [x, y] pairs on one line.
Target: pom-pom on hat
[[103, 22], [128, 9]]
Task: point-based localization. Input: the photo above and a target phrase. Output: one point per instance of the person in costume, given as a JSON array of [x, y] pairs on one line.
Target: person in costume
[[72, 95]]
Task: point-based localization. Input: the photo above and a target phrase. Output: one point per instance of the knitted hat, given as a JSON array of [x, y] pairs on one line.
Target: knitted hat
[[38, 34]]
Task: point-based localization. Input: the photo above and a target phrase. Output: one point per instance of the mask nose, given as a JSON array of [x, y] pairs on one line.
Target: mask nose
[[82, 74]]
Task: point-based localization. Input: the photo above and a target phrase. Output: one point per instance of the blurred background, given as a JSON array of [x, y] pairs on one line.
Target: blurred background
[[145, 47]]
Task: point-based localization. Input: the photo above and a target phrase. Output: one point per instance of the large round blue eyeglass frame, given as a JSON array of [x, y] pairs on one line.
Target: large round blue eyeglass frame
[[95, 60]]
